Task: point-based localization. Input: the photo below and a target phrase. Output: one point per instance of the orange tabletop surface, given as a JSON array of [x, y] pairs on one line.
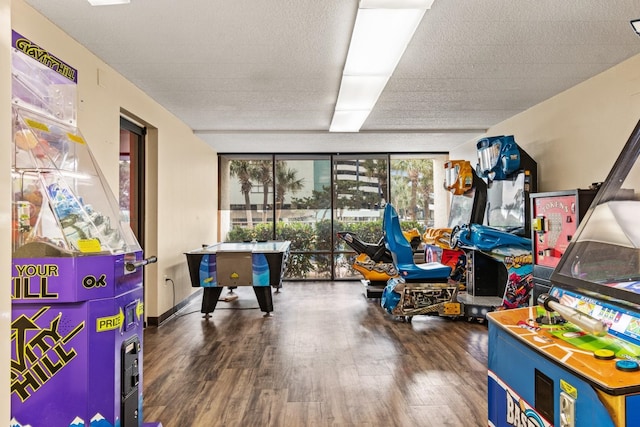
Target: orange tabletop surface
[[521, 324]]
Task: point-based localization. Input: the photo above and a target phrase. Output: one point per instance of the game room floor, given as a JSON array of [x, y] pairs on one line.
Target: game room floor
[[327, 356]]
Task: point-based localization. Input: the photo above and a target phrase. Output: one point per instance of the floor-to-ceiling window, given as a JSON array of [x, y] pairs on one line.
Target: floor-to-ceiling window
[[307, 199], [361, 190], [246, 205], [417, 192], [303, 216]]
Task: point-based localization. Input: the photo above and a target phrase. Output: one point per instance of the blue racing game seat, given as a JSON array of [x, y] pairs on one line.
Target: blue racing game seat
[[402, 253]]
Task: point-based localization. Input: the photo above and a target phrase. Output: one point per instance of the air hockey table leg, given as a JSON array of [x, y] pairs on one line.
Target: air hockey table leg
[[265, 300], [210, 298]]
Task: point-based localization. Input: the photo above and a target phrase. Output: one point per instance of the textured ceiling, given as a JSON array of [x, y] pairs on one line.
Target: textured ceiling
[[264, 75]]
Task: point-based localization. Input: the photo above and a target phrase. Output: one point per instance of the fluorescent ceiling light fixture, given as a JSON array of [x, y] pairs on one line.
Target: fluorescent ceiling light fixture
[[380, 37], [396, 4], [381, 34], [107, 2], [636, 26], [360, 92]]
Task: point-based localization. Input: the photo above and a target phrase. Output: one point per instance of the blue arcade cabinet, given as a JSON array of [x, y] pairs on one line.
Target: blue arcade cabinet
[[499, 268], [574, 359]]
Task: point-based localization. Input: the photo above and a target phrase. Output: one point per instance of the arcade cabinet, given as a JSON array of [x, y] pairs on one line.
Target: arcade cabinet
[[499, 250], [374, 261], [77, 279], [419, 288], [405, 298], [554, 219], [468, 203], [574, 359]]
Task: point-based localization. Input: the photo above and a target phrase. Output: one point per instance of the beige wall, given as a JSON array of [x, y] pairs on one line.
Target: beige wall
[[182, 169], [576, 136]]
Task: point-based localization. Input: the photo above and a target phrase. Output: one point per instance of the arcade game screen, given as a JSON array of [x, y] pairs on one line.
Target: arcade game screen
[[461, 208], [506, 205]]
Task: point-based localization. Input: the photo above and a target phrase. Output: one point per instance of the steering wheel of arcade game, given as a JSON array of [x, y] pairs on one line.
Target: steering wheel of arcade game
[[454, 240]]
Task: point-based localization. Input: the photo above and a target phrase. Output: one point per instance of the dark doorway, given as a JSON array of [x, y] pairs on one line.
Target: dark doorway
[[132, 160]]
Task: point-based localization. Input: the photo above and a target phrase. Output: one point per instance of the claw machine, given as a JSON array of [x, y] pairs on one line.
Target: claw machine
[[76, 287], [574, 359]]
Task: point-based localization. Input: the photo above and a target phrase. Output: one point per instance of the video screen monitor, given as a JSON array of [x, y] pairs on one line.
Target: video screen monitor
[[506, 205], [461, 208], [603, 258]]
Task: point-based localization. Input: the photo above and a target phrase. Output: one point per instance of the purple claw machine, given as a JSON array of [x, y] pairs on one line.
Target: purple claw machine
[[77, 282]]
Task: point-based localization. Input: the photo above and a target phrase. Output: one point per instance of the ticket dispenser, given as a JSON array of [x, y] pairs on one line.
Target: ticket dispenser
[[77, 270], [130, 369]]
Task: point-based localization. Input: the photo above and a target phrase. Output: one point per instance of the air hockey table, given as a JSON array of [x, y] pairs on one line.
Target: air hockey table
[[232, 264]]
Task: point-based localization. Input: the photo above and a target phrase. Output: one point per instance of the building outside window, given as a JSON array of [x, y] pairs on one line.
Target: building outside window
[[307, 199]]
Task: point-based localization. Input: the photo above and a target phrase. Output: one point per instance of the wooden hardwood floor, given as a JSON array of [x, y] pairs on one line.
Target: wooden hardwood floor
[[327, 357]]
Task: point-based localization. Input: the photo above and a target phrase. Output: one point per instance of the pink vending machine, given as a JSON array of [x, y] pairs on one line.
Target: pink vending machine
[[554, 220]]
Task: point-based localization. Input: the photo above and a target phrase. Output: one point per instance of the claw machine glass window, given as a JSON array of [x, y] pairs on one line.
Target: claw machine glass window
[[61, 202], [60, 199]]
